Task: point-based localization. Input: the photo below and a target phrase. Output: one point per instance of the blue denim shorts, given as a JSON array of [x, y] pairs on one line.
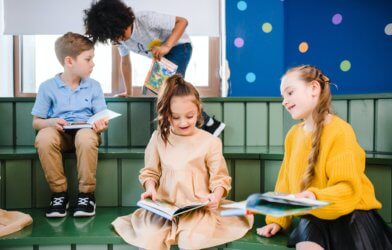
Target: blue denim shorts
[[180, 55]]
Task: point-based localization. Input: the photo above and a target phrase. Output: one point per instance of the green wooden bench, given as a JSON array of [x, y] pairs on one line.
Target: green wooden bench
[[253, 148]]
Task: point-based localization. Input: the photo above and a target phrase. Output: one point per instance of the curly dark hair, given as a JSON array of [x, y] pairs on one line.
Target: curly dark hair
[[107, 20]]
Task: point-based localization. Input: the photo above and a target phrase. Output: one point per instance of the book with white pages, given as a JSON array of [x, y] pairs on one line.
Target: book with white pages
[[272, 203], [104, 114]]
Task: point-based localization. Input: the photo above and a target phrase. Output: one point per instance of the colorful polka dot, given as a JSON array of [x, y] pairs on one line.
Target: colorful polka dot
[[345, 65], [239, 42], [388, 29], [266, 27], [242, 5], [337, 19], [303, 47], [250, 77]]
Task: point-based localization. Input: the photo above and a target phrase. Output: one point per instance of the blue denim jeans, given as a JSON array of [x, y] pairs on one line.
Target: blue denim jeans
[[180, 55]]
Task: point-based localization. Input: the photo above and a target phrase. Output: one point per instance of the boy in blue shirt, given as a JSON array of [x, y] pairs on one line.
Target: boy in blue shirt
[[70, 96]]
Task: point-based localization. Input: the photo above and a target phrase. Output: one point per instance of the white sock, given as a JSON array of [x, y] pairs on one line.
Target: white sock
[[210, 122]]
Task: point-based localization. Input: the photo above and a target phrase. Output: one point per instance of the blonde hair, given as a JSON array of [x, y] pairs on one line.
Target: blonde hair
[[175, 86], [323, 108], [71, 44]]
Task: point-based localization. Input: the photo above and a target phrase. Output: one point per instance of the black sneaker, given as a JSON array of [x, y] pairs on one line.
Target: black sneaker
[[58, 205], [85, 205], [215, 128]]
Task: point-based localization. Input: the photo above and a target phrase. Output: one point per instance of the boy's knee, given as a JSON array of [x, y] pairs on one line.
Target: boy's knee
[[86, 138], [47, 137]]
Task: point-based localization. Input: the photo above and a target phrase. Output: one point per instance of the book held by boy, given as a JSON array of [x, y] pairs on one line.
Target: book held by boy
[[166, 210], [104, 114], [159, 71], [272, 203]]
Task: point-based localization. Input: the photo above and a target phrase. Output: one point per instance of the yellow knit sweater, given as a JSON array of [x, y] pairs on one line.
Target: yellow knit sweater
[[339, 173]]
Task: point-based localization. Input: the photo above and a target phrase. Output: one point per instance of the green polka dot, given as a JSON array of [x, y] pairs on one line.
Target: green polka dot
[[345, 65], [267, 27]]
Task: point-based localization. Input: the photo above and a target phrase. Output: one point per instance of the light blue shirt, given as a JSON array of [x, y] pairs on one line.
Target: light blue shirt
[[55, 99]]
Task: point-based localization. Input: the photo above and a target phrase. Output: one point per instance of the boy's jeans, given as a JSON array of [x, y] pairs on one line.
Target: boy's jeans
[[50, 145], [180, 55]]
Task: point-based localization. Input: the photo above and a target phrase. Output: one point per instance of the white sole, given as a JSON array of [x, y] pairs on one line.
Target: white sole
[[56, 215], [219, 129], [84, 214]]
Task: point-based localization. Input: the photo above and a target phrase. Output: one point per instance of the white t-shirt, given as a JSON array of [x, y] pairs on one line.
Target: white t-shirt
[[147, 27]]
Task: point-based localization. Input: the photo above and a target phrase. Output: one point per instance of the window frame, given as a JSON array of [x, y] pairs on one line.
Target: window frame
[[212, 90]]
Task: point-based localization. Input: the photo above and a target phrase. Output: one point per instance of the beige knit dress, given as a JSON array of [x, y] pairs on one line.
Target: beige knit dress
[[186, 170]]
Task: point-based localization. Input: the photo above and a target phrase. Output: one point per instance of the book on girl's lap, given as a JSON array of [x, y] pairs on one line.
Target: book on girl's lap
[[104, 114], [166, 210], [159, 71], [272, 203]]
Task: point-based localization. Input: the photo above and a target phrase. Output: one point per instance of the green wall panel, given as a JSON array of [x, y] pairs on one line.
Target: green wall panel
[[17, 248], [71, 173], [141, 123], [247, 178], [288, 122], [130, 186], [6, 121], [42, 190], [118, 132], [213, 109], [124, 247], [234, 117], [25, 134], [276, 135], [381, 177], [271, 170], [361, 118], [2, 185], [18, 184], [91, 247], [107, 183], [256, 124], [340, 108], [383, 125], [62, 247]]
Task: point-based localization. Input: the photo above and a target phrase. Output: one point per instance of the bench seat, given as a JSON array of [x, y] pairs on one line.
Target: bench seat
[[97, 230]]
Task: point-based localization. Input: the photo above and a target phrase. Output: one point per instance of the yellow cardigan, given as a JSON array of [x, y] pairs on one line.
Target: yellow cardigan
[[339, 173]]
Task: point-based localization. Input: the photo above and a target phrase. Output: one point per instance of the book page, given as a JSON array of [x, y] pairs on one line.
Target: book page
[[104, 114]]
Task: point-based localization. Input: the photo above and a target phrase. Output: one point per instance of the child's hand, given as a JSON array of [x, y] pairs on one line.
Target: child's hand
[[214, 201], [159, 51], [58, 123], [150, 193], [269, 230], [306, 194], [100, 125]]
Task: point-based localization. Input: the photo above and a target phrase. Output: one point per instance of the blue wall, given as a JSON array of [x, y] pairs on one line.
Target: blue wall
[[348, 39]]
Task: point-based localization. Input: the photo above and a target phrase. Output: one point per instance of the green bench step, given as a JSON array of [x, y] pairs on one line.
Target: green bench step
[[230, 152], [97, 230]]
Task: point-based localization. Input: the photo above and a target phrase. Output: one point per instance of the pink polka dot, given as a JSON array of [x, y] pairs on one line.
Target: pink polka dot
[[239, 42], [337, 19]]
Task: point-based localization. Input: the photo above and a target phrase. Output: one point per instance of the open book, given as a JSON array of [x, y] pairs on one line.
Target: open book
[[104, 114], [271, 203], [166, 210], [158, 73]]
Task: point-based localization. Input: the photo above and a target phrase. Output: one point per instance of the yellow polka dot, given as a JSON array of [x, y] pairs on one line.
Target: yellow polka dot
[[267, 27], [303, 47]]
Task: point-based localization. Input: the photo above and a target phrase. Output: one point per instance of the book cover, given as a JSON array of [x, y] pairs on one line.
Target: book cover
[[104, 114], [166, 210], [274, 204], [158, 73]]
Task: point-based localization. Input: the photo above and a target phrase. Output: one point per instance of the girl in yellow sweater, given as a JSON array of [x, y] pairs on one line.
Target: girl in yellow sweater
[[323, 160]]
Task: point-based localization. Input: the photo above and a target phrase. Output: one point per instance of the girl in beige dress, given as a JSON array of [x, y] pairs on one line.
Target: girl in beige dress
[[183, 165]]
